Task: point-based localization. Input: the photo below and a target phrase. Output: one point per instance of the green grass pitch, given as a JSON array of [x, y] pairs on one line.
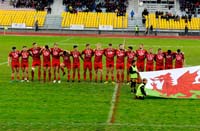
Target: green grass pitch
[[85, 106]]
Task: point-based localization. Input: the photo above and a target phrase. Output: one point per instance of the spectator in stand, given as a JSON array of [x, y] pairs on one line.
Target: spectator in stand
[[36, 25], [151, 29], [144, 13], [132, 14], [37, 4], [186, 30]]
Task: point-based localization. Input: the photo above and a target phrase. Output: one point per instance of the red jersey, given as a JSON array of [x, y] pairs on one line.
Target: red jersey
[[56, 53], [46, 56], [150, 58], [121, 54], [88, 53], [159, 58], [98, 55], [76, 55], [130, 56], [24, 55], [14, 56], [179, 58], [169, 59], [141, 53], [35, 53], [110, 54], [66, 58]]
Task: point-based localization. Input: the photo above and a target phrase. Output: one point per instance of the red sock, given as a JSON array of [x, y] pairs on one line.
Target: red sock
[[49, 76], [84, 75], [101, 77], [39, 74], [118, 77], [73, 76], [90, 76], [12, 78], [128, 78], [79, 76], [44, 74], [106, 77], [122, 77], [112, 77], [68, 76], [32, 74], [18, 78], [58, 77], [96, 77]]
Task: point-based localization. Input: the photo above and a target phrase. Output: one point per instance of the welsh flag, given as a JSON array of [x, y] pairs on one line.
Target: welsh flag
[[174, 83]]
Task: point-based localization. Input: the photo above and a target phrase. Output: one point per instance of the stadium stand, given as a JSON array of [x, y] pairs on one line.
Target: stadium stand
[[190, 6], [7, 17], [96, 5], [93, 19], [162, 5], [172, 24], [36, 4]]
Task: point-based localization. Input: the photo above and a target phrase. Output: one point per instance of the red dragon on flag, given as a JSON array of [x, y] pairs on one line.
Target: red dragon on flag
[[185, 84], [175, 83]]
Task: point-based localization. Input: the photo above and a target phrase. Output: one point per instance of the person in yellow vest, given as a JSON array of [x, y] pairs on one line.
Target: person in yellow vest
[[136, 30], [133, 71], [140, 93]]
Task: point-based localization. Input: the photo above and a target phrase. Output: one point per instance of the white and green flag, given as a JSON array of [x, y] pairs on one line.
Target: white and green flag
[[174, 83]]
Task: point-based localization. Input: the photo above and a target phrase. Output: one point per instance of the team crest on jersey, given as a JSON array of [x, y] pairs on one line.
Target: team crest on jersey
[[178, 57], [141, 53], [160, 57], [150, 57], [15, 55], [35, 51], [98, 53], [55, 52], [24, 55], [46, 53]]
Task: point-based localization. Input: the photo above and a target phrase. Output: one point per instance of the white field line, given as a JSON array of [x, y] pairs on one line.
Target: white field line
[[3, 63], [113, 101], [153, 46], [104, 124], [62, 42]]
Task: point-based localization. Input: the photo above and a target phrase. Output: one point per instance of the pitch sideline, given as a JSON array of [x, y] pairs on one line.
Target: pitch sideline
[[3, 63], [114, 103]]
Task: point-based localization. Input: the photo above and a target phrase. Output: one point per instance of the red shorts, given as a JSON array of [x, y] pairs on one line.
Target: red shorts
[[76, 65], [55, 63], [120, 66], [168, 66], [109, 65], [24, 64], [46, 64], [178, 66], [128, 65], [15, 64], [87, 65], [140, 66], [149, 67], [159, 67], [68, 65], [98, 66], [36, 63]]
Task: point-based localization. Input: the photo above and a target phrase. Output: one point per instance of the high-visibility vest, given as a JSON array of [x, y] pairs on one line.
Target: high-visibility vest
[[134, 75], [138, 92], [136, 28]]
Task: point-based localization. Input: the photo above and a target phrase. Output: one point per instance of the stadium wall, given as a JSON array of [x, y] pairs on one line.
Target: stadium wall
[[102, 32]]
